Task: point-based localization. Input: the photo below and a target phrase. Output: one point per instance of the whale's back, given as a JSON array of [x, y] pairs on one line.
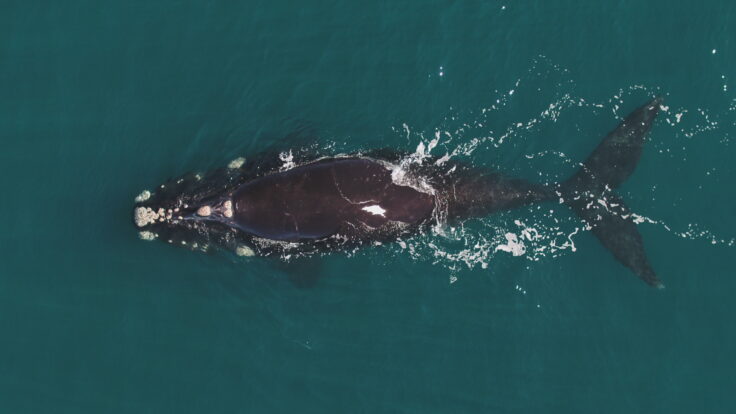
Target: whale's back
[[328, 197]]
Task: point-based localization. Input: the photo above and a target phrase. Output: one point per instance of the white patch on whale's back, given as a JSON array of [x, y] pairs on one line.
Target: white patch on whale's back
[[236, 163], [375, 210]]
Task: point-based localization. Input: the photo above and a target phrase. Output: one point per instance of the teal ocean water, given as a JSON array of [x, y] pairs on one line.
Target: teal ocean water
[[100, 100]]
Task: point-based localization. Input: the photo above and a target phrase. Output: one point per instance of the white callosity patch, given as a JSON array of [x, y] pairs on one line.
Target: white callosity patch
[[147, 235], [244, 251], [145, 215], [236, 163], [375, 210], [204, 211], [143, 196], [228, 209]]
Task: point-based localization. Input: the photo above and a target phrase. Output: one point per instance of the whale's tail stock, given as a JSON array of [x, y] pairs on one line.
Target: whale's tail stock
[[590, 191]]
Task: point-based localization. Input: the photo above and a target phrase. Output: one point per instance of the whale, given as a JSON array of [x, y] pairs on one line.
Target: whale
[[320, 203]]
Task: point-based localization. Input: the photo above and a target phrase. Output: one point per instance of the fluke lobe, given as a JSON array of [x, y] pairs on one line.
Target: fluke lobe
[[342, 202]]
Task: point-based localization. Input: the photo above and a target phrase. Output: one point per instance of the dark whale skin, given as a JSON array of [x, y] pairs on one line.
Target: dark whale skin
[[324, 198]]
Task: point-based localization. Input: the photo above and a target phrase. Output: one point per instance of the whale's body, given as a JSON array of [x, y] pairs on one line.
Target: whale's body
[[344, 201], [328, 197]]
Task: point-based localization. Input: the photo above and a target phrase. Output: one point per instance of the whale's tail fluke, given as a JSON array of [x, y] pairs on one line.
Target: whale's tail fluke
[[590, 191]]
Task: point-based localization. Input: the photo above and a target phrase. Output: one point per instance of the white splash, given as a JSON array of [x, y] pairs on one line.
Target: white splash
[[442, 159], [288, 160], [244, 251], [513, 245]]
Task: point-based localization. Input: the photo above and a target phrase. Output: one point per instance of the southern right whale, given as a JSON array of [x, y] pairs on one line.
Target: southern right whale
[[343, 201]]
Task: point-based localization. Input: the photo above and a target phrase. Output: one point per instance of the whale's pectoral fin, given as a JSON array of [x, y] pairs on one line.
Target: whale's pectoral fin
[[589, 192]]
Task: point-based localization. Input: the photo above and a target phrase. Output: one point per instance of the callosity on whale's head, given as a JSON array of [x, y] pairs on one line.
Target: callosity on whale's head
[[192, 211]]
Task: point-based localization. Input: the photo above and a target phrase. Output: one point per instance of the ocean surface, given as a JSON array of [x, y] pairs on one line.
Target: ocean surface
[[522, 311]]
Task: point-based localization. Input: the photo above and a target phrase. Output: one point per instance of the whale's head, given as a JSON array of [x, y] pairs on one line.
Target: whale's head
[[192, 211]]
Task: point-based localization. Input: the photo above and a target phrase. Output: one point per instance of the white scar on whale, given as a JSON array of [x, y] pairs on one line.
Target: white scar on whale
[[375, 210]]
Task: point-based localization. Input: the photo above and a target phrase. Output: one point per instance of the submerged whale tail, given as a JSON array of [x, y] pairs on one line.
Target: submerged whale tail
[[590, 191]]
